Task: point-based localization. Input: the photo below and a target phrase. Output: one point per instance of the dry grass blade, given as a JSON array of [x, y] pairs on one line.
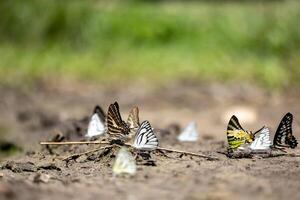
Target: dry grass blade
[[126, 144], [74, 143]]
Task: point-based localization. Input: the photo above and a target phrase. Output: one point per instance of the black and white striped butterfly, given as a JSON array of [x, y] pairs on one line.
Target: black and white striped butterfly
[[145, 139], [97, 123], [262, 142], [284, 134]]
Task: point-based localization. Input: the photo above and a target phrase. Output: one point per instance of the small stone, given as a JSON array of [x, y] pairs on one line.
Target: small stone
[[92, 157], [49, 166], [20, 167], [82, 159], [75, 180], [30, 153], [86, 173], [41, 178]]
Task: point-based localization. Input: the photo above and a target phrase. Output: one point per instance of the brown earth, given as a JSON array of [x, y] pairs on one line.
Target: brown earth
[[30, 116]]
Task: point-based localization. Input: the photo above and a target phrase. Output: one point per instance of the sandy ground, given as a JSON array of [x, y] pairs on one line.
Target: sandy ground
[[28, 117]]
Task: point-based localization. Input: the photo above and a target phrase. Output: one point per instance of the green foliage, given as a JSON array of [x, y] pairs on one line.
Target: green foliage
[[104, 41], [8, 149]]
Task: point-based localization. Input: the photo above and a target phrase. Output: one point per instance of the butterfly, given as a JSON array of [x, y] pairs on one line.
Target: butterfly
[[124, 163], [262, 142], [284, 134], [145, 139], [237, 136], [189, 134], [117, 128], [97, 123], [133, 121]]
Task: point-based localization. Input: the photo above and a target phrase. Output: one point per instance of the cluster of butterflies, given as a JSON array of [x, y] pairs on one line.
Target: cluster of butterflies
[[140, 136], [259, 141], [120, 131]]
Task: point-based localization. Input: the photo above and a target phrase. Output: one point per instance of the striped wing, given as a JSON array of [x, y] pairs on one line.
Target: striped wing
[[236, 135], [124, 163], [262, 142], [116, 127], [145, 139], [234, 124], [133, 121], [284, 134]]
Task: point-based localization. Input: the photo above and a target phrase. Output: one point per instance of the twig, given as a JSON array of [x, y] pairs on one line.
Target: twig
[[86, 152], [187, 153], [74, 143], [125, 144]]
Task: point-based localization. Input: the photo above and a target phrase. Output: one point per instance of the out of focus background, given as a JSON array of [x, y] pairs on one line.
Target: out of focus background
[[100, 41], [178, 61]]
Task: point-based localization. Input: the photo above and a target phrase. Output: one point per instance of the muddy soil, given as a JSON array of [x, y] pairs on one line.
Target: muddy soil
[[30, 116]]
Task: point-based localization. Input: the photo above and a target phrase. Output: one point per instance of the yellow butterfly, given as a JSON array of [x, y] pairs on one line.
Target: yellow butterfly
[[237, 136]]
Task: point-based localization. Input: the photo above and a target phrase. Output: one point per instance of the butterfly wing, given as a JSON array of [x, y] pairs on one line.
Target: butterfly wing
[[133, 121], [284, 134], [262, 142], [96, 126], [145, 139], [124, 163], [234, 124], [100, 113], [117, 128], [97, 123], [236, 135], [189, 134]]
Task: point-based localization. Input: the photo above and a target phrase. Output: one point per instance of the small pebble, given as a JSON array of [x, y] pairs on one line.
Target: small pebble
[[41, 178]]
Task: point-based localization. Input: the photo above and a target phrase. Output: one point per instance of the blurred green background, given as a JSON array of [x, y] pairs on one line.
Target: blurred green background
[[156, 41]]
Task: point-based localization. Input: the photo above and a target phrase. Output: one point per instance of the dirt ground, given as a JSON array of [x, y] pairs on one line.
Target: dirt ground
[[30, 116]]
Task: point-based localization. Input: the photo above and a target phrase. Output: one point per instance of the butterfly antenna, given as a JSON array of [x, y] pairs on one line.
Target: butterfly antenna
[[259, 130]]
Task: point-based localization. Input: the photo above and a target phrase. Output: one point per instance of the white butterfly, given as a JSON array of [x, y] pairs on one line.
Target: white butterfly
[[189, 134], [262, 142], [145, 139], [96, 126], [124, 163]]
